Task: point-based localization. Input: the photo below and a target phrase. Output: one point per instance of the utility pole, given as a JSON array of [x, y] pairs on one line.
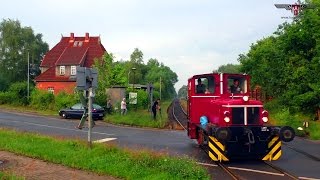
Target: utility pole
[[28, 93], [90, 116]]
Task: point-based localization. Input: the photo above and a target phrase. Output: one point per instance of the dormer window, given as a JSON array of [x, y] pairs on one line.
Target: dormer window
[[73, 70], [62, 70], [77, 43]]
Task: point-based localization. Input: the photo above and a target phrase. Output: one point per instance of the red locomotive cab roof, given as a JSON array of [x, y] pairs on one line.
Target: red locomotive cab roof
[[216, 85]]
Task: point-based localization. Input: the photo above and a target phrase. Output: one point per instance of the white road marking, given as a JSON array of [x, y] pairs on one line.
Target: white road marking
[[104, 140], [207, 164], [306, 178], [43, 125]]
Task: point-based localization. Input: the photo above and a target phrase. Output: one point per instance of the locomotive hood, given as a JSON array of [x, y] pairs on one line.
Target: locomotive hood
[[238, 102]]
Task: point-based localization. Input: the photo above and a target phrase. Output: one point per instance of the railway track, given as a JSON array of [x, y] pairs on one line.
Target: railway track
[[179, 114], [180, 117]]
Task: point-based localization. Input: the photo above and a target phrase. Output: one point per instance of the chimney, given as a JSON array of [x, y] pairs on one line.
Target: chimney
[[71, 37], [86, 39]]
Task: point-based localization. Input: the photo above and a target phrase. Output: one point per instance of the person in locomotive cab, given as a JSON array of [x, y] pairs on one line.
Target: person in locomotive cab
[[235, 88], [200, 87]]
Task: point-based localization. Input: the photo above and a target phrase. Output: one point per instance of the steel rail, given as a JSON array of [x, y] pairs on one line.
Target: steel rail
[[184, 112], [174, 115]]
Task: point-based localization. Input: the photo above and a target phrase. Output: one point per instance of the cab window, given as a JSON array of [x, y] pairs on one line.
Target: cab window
[[204, 85], [237, 85]]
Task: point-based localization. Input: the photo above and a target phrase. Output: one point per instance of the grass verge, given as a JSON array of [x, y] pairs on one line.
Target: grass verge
[[281, 116], [140, 118], [102, 159], [28, 109], [8, 176]]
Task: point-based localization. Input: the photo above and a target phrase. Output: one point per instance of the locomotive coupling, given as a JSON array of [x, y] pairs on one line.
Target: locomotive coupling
[[285, 133]]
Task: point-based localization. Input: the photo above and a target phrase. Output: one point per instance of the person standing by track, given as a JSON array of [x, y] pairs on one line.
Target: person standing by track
[[154, 108]]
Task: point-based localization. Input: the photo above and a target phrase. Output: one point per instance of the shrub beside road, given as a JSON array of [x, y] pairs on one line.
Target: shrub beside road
[[140, 117]]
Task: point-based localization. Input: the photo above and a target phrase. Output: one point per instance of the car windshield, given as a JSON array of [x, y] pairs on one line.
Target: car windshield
[[77, 106], [96, 106]]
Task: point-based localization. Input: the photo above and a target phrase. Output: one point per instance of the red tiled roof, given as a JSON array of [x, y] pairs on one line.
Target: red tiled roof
[[67, 52], [72, 56], [49, 75]]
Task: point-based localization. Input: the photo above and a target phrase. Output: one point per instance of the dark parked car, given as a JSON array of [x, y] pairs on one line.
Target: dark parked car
[[76, 112]]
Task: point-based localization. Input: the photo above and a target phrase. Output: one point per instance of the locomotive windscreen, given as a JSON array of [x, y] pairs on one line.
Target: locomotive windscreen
[[238, 115]]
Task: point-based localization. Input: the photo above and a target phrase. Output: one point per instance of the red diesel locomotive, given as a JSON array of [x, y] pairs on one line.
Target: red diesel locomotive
[[230, 125]]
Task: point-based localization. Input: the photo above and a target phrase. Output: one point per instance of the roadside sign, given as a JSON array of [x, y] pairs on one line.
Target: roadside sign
[[133, 97]]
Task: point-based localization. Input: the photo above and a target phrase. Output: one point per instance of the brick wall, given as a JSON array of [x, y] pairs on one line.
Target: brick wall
[[68, 87]]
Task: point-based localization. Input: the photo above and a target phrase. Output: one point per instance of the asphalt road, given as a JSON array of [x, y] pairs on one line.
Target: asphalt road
[[168, 141]]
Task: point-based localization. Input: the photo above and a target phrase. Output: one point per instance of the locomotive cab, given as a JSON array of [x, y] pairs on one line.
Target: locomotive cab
[[231, 125]]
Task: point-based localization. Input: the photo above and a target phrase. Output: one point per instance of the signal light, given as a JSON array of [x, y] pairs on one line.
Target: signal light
[[245, 98]]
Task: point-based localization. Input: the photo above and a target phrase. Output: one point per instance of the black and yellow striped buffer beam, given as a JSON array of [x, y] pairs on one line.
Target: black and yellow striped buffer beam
[[216, 150], [274, 149]]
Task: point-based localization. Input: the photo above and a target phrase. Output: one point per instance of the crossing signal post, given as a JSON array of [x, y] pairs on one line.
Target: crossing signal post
[[87, 81]]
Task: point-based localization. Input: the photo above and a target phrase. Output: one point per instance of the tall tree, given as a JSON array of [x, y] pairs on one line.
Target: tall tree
[[229, 68], [16, 42], [287, 63], [183, 92], [157, 71], [136, 62]]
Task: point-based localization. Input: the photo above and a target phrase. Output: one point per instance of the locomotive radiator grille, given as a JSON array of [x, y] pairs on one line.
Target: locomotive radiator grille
[[245, 115]]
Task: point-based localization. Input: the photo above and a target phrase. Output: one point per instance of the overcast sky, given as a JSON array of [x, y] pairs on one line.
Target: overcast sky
[[189, 36]]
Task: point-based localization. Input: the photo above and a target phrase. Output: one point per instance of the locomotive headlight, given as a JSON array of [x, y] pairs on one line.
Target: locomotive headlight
[[265, 119], [227, 119], [245, 98], [265, 115], [227, 116]]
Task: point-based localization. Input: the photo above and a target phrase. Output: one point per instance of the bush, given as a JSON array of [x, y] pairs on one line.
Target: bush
[[143, 99], [100, 98], [4, 83], [20, 91], [63, 100], [42, 100], [7, 97]]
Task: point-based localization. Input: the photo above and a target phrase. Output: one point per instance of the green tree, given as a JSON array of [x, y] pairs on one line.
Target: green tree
[[287, 64], [136, 61], [228, 68], [183, 92], [15, 44], [158, 70], [110, 73]]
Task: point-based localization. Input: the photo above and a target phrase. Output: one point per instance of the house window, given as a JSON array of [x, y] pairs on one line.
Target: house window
[[51, 90], [73, 70], [62, 70]]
